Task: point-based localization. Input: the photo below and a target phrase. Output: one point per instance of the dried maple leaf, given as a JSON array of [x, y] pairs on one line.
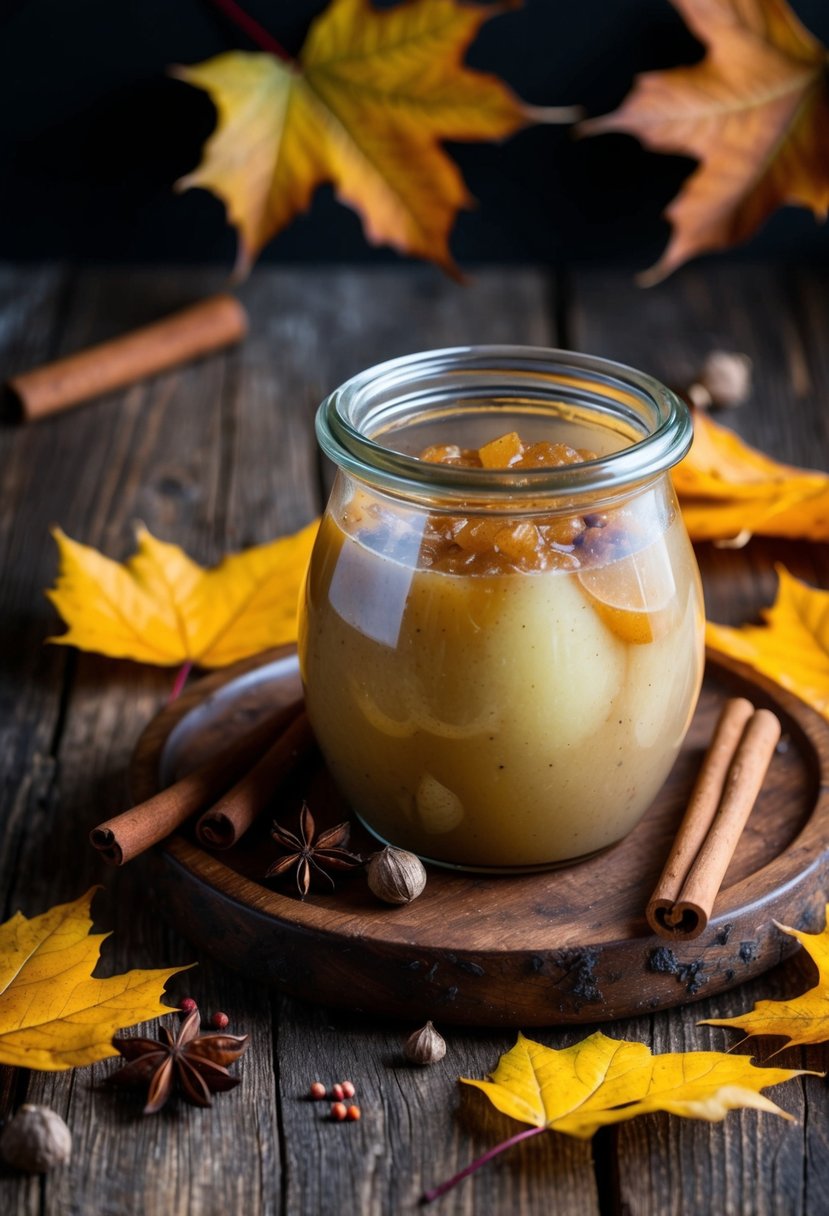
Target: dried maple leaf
[[161, 607], [803, 1019], [364, 107], [754, 112], [600, 1081], [53, 1014], [728, 489], [792, 647]]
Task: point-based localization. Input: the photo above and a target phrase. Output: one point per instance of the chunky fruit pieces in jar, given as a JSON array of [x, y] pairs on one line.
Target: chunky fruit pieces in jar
[[450, 543], [505, 711]]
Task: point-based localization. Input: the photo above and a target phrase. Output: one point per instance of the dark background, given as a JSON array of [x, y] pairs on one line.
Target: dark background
[[93, 134]]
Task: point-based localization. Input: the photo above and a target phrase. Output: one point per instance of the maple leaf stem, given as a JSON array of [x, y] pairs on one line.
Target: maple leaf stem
[[437, 1191], [250, 26], [179, 682]]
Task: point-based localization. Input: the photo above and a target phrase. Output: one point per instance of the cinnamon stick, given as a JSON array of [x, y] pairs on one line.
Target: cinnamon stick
[[223, 824], [206, 326], [721, 802], [125, 836]]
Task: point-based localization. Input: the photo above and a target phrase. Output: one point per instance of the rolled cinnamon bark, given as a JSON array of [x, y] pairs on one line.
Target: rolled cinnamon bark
[[223, 824], [726, 789], [131, 833], [206, 326]]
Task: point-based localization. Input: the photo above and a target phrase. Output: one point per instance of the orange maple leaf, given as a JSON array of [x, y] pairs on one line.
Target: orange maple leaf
[[364, 107], [791, 646], [729, 490], [754, 113]]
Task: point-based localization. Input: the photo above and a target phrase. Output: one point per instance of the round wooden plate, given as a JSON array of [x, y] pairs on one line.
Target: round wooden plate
[[571, 945]]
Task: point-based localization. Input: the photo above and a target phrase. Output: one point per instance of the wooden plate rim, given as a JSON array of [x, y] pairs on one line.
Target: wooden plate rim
[[786, 872]]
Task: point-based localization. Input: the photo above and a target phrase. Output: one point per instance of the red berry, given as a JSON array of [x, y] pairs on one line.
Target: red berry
[[353, 1113], [219, 1020], [348, 1089], [338, 1111], [338, 1092], [317, 1091], [187, 1005]]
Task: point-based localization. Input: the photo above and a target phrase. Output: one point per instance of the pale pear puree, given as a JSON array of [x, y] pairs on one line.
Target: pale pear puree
[[516, 719]]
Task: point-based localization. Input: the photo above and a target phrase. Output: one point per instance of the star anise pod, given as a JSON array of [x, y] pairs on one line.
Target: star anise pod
[[191, 1062], [309, 853]]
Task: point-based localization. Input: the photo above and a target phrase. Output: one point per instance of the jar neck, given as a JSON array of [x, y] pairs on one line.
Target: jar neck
[[366, 425]]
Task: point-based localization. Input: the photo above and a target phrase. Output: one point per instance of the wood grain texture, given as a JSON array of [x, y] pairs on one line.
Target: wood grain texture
[[95, 471], [749, 1164], [187, 454], [222, 455], [772, 315], [567, 946]]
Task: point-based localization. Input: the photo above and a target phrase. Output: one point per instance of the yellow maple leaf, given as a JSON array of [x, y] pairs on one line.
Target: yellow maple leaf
[[729, 489], [801, 1020], [364, 107], [161, 607], [754, 112], [601, 1080], [53, 1014], [792, 647]]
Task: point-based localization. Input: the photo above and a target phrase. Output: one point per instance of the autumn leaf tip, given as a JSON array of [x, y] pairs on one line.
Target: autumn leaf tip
[[243, 262], [454, 272], [654, 274], [553, 115], [178, 71], [599, 124]]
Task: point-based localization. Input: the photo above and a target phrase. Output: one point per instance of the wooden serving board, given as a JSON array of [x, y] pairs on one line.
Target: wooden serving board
[[569, 945]]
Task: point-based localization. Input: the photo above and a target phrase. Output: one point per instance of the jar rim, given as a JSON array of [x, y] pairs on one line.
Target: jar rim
[[387, 389]]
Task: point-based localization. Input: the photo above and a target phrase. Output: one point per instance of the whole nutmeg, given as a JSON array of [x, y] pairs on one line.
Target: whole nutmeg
[[395, 876], [724, 380], [425, 1046], [36, 1140]]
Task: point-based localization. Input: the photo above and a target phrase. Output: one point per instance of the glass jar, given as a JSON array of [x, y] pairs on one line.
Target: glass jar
[[501, 663]]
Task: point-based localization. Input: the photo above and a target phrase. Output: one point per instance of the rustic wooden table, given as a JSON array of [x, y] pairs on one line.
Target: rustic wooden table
[[220, 456]]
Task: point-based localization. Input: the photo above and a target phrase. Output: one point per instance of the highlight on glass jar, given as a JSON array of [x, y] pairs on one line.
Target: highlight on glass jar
[[501, 639]]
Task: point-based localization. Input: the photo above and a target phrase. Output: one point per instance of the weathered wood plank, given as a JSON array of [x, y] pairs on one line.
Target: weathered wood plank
[[750, 1163], [30, 306], [94, 471], [220, 455], [419, 1126], [323, 327], [768, 313]]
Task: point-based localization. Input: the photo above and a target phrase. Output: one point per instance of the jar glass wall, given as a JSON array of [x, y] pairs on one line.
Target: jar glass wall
[[501, 663]]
